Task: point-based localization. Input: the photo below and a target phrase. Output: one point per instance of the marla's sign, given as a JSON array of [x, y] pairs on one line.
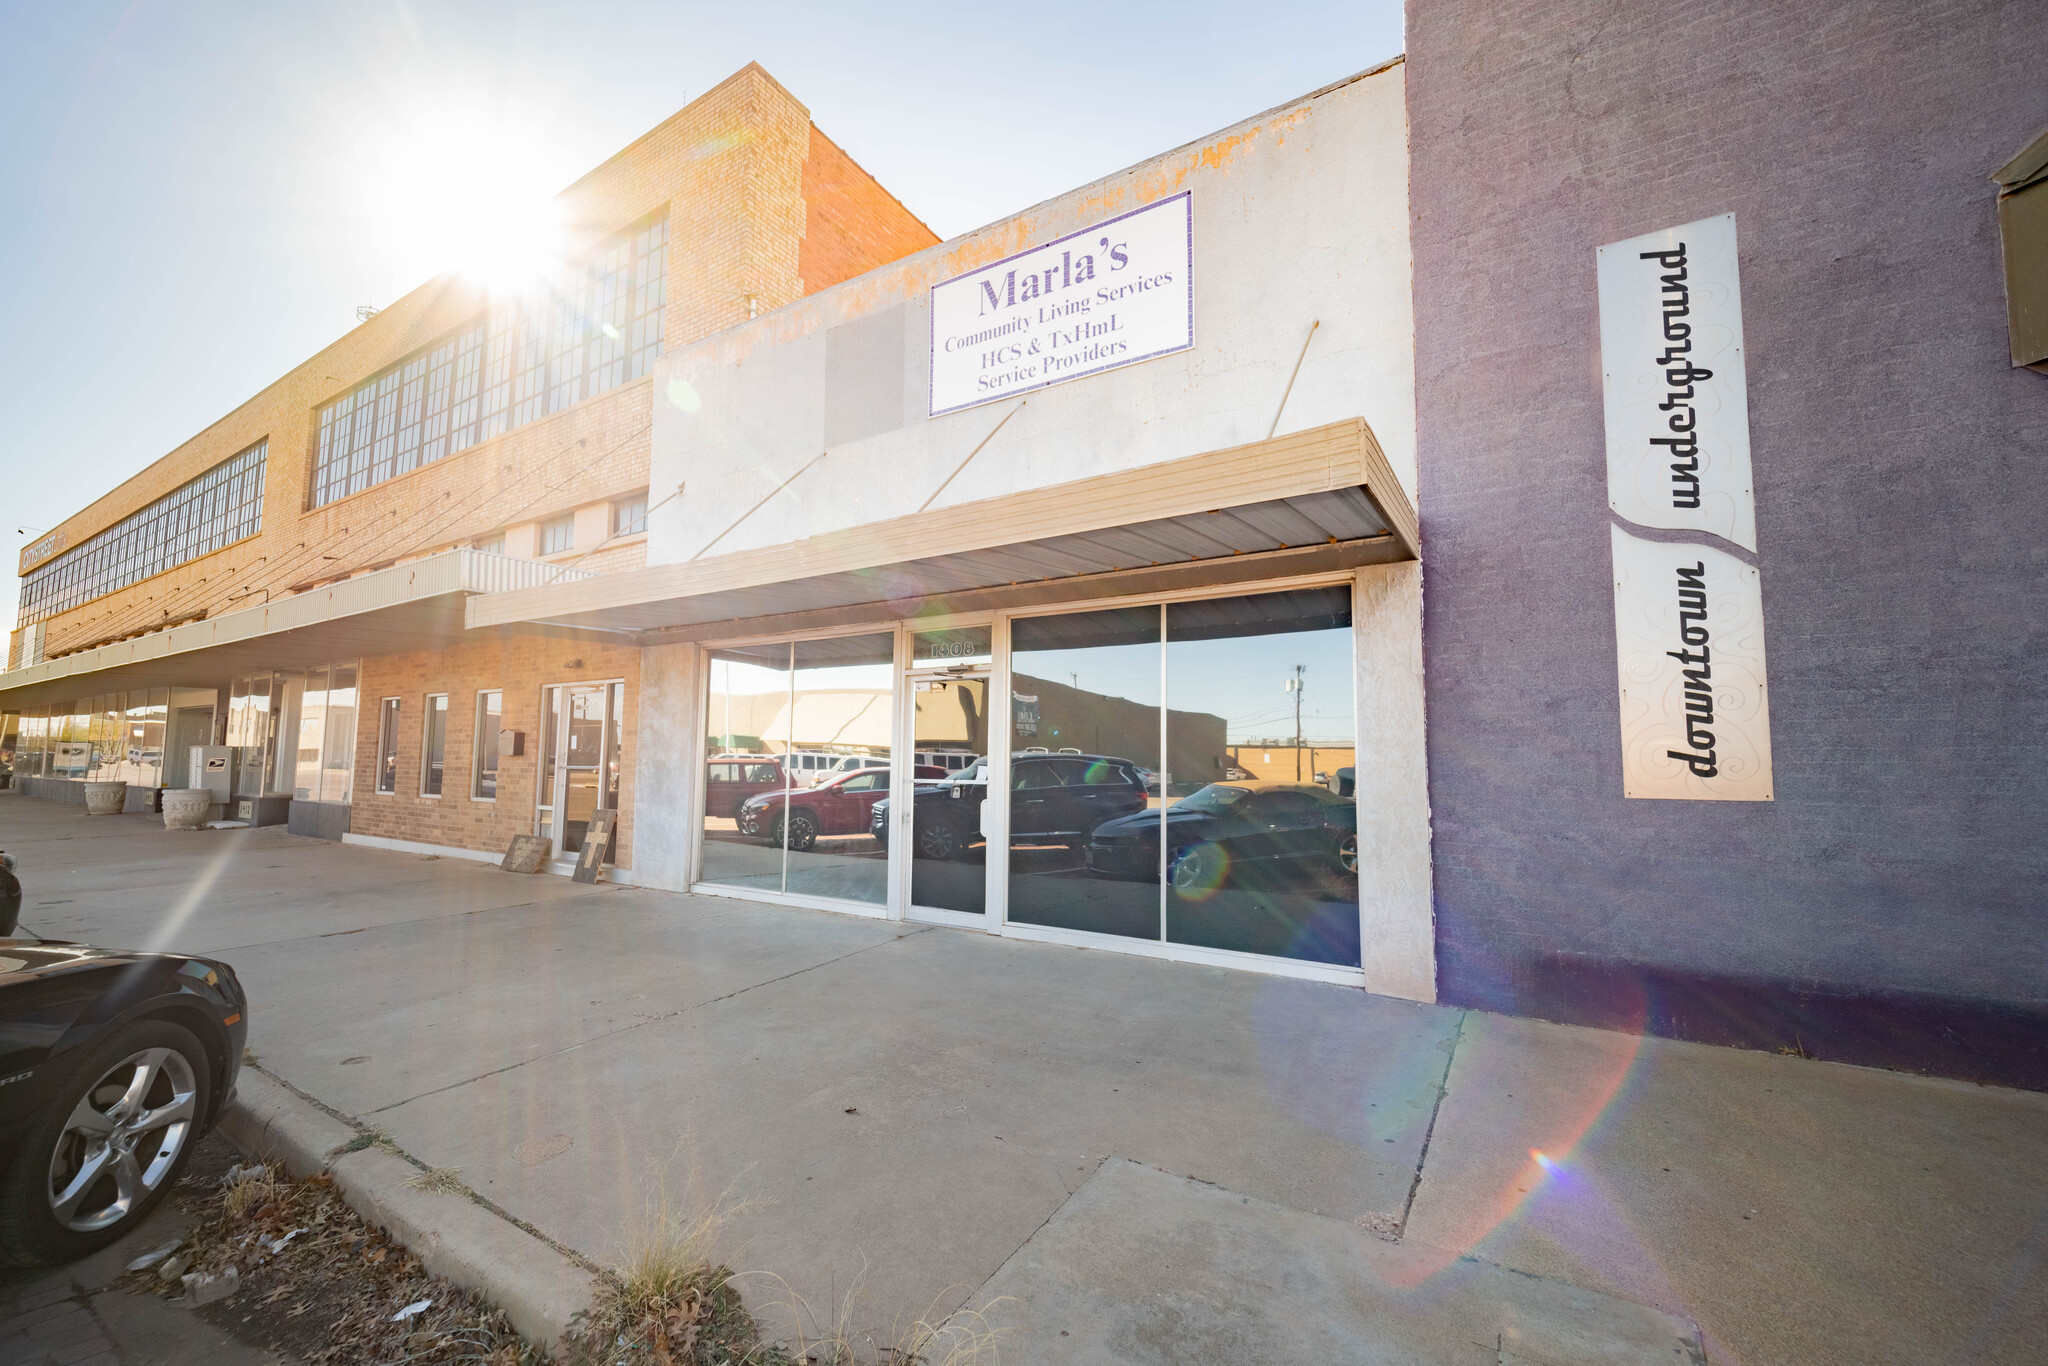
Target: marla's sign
[[1109, 295]]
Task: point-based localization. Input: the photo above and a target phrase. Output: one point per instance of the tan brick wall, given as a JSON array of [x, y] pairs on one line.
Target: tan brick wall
[[736, 169], [517, 665], [852, 224]]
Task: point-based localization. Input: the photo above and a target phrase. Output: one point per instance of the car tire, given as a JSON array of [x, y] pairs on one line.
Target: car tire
[[1195, 868], [803, 830], [1344, 858], [45, 1215], [939, 840]]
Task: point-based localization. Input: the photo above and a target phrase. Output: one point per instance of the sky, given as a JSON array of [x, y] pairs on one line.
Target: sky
[[198, 195]]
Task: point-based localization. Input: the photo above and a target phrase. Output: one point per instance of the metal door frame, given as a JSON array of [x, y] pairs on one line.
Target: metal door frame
[[902, 759], [560, 776]]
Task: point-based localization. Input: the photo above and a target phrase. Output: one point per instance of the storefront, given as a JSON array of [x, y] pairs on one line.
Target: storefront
[[139, 736], [1122, 814], [983, 573]]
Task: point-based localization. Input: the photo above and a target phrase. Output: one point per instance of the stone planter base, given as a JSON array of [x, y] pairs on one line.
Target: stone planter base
[[186, 808], [105, 799]]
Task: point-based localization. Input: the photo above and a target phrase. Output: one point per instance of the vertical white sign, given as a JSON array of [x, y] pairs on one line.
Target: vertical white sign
[[1689, 636], [1688, 608], [1671, 362]]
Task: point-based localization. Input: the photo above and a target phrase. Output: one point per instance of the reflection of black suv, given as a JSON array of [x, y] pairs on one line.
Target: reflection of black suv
[[1054, 799]]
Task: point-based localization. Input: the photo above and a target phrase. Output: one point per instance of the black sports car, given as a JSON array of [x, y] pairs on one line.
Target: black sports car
[[1264, 832], [112, 1066]]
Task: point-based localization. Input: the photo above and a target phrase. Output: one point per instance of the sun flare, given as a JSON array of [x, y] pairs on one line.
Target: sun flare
[[459, 189]]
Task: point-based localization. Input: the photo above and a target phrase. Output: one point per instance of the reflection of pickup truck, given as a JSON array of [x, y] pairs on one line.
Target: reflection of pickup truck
[[730, 780]]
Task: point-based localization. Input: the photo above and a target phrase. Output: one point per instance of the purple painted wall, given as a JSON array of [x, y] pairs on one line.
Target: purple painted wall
[[1891, 905]]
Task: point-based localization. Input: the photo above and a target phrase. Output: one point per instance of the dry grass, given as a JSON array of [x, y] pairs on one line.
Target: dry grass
[[367, 1138], [669, 1302], [250, 1188], [438, 1181], [935, 1338], [319, 1285]]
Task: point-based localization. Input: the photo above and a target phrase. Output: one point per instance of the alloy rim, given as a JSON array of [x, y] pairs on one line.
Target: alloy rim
[[1347, 853], [121, 1139]]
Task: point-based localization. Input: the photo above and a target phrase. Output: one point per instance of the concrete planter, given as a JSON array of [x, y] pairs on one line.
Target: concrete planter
[[105, 799], [186, 808]]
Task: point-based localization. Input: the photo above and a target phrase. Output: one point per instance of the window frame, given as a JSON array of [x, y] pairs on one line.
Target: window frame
[[502, 368], [619, 528], [427, 756], [566, 519], [477, 742], [389, 710]]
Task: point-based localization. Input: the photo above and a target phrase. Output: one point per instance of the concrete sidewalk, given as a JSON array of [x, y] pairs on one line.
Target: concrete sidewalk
[[913, 1112]]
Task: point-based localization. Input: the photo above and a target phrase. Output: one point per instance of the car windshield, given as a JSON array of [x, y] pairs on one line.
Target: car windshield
[[1214, 799]]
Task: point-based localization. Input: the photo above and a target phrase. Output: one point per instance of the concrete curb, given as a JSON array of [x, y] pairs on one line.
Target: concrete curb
[[539, 1289]]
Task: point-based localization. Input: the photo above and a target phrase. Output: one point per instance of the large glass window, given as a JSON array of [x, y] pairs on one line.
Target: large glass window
[[798, 767], [434, 745], [523, 360], [1153, 822], [1084, 771], [221, 506], [338, 764], [1263, 857], [312, 737]]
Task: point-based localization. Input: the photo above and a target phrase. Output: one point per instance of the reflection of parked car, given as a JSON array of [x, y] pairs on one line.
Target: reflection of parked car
[[837, 806], [114, 1065], [1291, 831], [1054, 799], [730, 781]]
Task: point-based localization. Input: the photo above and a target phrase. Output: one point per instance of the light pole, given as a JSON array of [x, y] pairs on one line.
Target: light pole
[[1294, 686]]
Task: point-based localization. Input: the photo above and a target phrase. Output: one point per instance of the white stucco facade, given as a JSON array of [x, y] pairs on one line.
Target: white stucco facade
[[1300, 219]]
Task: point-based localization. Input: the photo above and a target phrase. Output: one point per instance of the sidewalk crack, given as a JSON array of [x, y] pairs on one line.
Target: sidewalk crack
[[1443, 1087]]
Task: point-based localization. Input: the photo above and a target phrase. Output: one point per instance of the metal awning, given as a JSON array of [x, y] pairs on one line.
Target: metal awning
[[406, 607], [1304, 503]]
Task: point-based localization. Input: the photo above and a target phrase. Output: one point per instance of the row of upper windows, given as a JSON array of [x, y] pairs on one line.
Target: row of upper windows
[[557, 535], [221, 506], [524, 359]]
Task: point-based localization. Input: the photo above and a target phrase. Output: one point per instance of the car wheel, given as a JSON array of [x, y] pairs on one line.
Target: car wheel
[[937, 839], [803, 830], [1195, 868], [107, 1146], [1346, 855]]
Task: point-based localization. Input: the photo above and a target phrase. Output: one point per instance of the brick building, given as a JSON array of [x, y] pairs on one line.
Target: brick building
[[1086, 548], [288, 582]]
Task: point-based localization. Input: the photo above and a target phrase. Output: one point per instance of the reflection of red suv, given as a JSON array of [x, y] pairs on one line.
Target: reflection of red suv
[[837, 806], [731, 781]]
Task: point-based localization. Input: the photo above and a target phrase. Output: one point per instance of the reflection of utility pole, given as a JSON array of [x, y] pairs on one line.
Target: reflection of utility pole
[[1294, 686]]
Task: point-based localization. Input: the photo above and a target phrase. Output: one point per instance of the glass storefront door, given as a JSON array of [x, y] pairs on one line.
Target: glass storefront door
[[946, 689], [579, 760], [798, 763]]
